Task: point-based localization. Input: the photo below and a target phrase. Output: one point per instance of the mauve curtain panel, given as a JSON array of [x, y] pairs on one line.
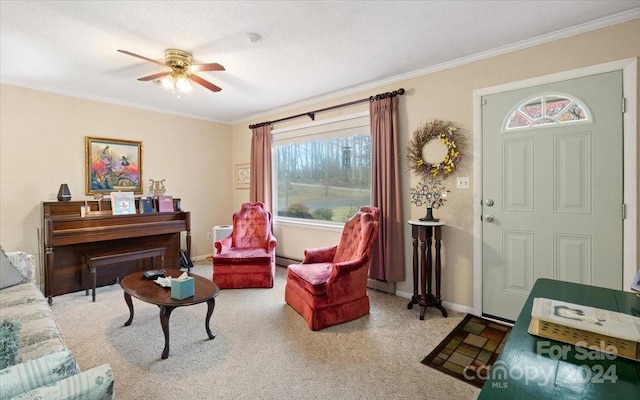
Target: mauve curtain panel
[[260, 180], [387, 261]]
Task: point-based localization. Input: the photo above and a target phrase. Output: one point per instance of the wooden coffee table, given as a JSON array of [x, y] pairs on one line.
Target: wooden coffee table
[[150, 292]]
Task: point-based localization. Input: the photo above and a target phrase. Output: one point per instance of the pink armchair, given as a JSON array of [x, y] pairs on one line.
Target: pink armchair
[[330, 286], [246, 258]]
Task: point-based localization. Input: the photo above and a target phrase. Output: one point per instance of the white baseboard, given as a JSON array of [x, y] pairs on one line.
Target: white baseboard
[[200, 258], [285, 261], [383, 286]]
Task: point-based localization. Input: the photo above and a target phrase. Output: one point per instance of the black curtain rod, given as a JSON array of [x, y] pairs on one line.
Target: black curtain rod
[[312, 114]]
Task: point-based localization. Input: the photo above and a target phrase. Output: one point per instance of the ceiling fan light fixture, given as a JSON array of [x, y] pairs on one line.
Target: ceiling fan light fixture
[[168, 82], [182, 83], [179, 78]]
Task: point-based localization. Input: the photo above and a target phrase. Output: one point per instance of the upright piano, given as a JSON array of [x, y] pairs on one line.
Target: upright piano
[[68, 237]]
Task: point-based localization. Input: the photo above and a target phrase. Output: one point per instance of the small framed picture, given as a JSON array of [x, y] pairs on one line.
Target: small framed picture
[[242, 174]]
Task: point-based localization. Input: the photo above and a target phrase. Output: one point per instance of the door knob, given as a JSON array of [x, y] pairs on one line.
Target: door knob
[[488, 202], [489, 218]]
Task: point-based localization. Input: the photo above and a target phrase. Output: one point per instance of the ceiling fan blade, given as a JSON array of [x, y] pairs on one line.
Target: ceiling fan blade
[[206, 67], [154, 76], [204, 83], [142, 57]]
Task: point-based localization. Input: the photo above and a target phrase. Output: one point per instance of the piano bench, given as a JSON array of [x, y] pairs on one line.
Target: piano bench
[[94, 261]]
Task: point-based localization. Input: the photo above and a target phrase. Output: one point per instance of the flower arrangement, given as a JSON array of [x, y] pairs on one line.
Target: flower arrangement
[[435, 129], [432, 193]]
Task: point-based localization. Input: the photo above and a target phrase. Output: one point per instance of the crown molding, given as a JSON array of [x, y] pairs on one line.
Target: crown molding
[[523, 44], [106, 100]]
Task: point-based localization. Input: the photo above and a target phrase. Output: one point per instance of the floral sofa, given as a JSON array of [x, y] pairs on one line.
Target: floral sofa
[[35, 363]]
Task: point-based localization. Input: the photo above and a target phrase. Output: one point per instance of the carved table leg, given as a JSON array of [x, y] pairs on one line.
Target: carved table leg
[[442, 310], [165, 313], [422, 312], [425, 265], [211, 304], [414, 298], [127, 299], [429, 270], [438, 267]]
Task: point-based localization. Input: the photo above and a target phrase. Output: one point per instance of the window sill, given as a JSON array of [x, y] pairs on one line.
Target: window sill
[[309, 224]]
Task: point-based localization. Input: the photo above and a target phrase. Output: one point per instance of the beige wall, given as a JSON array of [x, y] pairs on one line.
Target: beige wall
[[448, 95], [42, 145]]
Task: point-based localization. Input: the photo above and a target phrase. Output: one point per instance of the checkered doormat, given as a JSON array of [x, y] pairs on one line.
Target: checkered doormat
[[470, 350]]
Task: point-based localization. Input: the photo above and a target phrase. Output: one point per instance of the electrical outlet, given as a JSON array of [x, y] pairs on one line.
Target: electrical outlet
[[462, 182], [209, 235]]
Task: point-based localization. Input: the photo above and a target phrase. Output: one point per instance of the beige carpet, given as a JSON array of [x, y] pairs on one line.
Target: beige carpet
[[263, 349]]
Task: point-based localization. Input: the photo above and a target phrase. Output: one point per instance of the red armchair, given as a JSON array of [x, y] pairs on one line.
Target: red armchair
[[330, 286], [246, 258]]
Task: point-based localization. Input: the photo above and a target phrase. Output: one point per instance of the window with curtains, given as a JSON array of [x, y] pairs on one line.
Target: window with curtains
[[322, 170]]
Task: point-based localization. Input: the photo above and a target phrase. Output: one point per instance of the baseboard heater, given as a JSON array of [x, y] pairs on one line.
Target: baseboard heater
[[220, 232], [285, 261]]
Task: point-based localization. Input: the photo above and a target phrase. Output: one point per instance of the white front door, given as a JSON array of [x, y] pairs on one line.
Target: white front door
[[552, 191]]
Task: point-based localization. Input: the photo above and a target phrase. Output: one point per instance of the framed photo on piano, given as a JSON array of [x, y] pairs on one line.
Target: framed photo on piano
[[112, 165]]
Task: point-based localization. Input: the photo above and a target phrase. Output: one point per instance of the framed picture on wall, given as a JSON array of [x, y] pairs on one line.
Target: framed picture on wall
[[242, 176], [112, 165]]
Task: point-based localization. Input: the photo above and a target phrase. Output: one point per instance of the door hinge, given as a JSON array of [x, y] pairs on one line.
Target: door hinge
[[624, 211], [624, 105], [484, 102]]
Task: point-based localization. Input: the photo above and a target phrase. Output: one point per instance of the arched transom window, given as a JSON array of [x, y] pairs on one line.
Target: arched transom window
[[547, 110]]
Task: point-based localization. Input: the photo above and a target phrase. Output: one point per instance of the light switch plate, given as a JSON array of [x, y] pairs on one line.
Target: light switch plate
[[462, 182]]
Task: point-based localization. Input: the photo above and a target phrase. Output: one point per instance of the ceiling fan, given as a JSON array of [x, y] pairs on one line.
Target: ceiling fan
[[182, 70]]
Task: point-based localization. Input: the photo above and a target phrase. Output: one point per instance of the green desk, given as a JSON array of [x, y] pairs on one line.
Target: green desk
[[532, 367]]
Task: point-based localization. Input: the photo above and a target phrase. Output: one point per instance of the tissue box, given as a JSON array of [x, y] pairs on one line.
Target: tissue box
[[180, 290]]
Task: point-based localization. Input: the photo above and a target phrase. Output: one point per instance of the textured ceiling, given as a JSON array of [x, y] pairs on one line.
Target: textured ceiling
[[308, 49]]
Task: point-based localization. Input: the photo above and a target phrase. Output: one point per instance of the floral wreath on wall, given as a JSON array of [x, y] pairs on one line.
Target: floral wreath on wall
[[435, 129]]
